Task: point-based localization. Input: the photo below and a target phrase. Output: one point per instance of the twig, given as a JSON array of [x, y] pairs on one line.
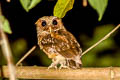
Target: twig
[[29, 52], [8, 55], [8, 0], [28, 72], [105, 37], [84, 3], [7, 51]]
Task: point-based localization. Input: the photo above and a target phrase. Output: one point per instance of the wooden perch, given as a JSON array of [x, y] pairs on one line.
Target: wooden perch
[[34, 72]]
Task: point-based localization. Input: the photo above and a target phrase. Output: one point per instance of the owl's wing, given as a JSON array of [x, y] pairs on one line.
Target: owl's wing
[[67, 45]]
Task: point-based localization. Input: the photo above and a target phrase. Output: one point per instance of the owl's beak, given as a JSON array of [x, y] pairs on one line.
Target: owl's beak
[[50, 29]]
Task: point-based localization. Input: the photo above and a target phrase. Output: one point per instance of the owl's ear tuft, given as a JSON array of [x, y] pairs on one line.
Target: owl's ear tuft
[[37, 22]]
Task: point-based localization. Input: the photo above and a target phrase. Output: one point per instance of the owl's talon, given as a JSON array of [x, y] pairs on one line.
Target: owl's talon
[[52, 66], [66, 67]]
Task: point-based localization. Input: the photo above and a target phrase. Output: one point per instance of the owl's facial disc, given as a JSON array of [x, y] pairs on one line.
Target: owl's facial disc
[[49, 24], [54, 26]]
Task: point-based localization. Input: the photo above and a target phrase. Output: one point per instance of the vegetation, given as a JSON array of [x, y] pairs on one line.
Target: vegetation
[[88, 20]]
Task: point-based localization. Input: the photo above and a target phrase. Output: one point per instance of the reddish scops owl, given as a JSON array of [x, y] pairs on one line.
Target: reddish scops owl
[[58, 44]]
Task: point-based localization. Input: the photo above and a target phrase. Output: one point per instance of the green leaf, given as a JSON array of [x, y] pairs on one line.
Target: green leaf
[[29, 4], [62, 7], [99, 6], [6, 25]]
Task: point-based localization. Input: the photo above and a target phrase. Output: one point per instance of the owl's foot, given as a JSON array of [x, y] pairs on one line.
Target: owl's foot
[[52, 66], [63, 66]]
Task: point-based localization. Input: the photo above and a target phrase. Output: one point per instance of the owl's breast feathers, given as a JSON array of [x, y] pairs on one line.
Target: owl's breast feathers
[[63, 43]]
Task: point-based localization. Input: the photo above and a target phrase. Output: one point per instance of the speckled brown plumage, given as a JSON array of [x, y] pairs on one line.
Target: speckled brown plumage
[[59, 44]]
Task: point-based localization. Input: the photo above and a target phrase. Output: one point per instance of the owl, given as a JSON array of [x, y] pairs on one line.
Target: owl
[[58, 43]]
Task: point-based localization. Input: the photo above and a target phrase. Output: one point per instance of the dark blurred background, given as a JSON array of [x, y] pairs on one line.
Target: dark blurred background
[[81, 21]]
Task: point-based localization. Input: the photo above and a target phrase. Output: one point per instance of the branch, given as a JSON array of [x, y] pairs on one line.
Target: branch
[[6, 50], [104, 38], [83, 73], [27, 54]]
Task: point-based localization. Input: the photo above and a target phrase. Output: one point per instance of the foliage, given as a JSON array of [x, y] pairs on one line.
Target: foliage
[[92, 58], [101, 56], [6, 25], [29, 4], [99, 6], [18, 47], [63, 6], [60, 9]]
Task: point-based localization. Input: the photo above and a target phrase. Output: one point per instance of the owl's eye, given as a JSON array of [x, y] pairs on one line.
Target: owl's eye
[[44, 23], [54, 22]]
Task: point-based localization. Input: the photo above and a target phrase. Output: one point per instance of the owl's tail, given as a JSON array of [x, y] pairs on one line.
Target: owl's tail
[[74, 64]]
